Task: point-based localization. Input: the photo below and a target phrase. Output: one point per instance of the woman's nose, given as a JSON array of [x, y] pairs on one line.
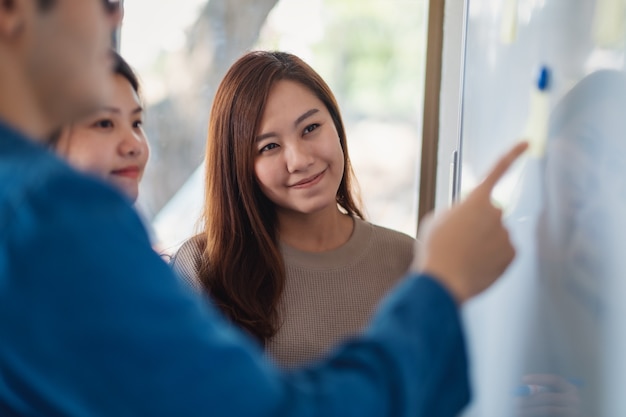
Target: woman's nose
[[298, 157], [131, 145]]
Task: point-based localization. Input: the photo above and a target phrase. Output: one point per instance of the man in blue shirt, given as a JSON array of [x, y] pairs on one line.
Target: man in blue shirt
[[93, 323]]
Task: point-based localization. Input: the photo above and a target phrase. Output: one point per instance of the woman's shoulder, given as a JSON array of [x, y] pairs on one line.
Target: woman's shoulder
[[191, 248], [389, 236], [188, 260], [389, 249]]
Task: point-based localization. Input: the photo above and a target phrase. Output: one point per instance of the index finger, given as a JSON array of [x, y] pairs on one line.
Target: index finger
[[502, 166]]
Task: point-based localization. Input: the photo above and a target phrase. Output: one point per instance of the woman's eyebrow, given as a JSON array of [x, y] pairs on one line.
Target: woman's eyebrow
[[305, 116], [299, 120], [265, 136], [118, 111], [111, 109]]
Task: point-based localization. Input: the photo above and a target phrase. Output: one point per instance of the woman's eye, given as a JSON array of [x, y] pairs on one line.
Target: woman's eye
[[311, 128], [103, 124], [268, 147], [137, 124]]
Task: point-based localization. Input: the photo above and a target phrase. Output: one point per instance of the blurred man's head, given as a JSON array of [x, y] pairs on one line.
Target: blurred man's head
[[54, 59]]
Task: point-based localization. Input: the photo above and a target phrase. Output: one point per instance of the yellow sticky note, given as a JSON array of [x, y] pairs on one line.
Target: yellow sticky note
[[608, 22], [536, 131], [508, 24]]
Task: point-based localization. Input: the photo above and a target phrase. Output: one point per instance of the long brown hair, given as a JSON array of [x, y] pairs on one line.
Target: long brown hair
[[242, 268]]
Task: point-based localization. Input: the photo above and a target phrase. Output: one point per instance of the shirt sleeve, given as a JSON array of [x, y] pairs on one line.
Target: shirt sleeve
[[94, 323]]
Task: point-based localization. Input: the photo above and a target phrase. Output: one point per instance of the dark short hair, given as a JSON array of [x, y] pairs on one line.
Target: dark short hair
[[120, 67]]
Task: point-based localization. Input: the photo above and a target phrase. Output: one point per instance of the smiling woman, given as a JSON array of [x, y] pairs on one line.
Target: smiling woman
[[110, 142], [300, 163], [285, 252]]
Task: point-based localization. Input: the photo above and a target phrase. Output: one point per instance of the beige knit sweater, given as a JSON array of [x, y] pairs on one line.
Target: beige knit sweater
[[329, 296]]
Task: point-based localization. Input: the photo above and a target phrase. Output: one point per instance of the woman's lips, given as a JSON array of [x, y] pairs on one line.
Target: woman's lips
[[128, 172], [309, 182]]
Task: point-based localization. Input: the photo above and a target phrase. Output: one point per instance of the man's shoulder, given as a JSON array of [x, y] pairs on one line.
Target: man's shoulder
[[21, 161], [38, 187], [27, 167]]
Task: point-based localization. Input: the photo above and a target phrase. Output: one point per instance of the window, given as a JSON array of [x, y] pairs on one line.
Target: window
[[371, 53]]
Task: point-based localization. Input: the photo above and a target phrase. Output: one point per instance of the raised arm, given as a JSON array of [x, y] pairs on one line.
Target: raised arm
[[94, 323]]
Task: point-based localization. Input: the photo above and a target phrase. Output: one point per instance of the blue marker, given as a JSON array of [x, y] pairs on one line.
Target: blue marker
[[543, 80]]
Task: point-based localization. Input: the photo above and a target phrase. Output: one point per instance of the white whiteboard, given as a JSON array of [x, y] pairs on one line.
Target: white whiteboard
[[559, 310]]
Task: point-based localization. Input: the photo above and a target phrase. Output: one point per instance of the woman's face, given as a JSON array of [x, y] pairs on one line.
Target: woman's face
[[111, 143], [299, 161]]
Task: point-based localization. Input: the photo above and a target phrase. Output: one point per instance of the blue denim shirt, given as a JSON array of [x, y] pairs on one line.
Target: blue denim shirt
[[94, 323]]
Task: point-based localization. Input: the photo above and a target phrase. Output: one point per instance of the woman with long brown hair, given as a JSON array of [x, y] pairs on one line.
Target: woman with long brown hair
[[285, 251]]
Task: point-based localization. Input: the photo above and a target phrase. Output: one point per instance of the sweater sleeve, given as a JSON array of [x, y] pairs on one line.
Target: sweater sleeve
[[94, 323], [185, 263]]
